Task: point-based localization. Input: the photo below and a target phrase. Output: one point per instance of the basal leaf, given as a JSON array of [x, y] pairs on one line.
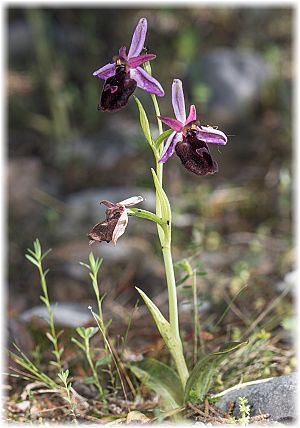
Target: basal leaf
[[162, 379], [174, 345], [162, 324], [200, 380]]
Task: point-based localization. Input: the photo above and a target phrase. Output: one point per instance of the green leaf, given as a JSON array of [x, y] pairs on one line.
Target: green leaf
[[174, 345], [201, 273], [46, 254], [44, 300], [46, 272], [37, 249], [144, 122], [50, 337], [164, 201], [31, 252], [163, 137], [54, 363], [160, 378], [32, 260], [90, 380], [91, 331], [104, 361], [85, 265], [162, 324], [81, 332], [80, 345], [182, 280], [200, 380], [61, 351]]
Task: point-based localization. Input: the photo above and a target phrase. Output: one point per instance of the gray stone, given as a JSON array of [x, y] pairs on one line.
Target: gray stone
[[24, 175], [274, 396], [234, 78], [65, 314]]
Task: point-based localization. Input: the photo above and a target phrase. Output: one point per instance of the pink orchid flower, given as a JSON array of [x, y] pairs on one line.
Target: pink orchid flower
[[189, 139], [125, 74]]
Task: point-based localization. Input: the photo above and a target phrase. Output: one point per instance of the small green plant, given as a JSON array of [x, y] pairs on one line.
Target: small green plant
[[94, 266], [36, 257], [34, 371], [191, 273], [244, 410], [86, 334], [63, 376]]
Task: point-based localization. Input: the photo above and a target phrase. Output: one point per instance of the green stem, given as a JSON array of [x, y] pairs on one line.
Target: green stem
[[196, 318], [137, 212], [157, 111], [95, 375], [102, 324], [173, 307], [50, 312], [165, 240]]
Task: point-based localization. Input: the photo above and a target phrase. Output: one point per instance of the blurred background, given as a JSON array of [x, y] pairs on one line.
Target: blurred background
[[64, 156]]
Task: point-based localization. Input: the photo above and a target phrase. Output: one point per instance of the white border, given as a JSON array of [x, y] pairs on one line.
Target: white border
[[154, 3]]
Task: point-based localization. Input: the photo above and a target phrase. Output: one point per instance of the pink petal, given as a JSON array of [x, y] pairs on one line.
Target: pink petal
[[138, 38], [172, 123], [170, 145], [120, 227], [122, 52], [131, 201], [192, 115], [105, 72], [211, 135], [146, 82], [178, 100], [138, 60]]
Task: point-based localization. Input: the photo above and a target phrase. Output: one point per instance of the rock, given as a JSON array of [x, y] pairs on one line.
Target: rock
[[24, 175], [107, 157], [234, 78], [65, 314], [19, 335], [275, 396], [136, 417], [85, 390]]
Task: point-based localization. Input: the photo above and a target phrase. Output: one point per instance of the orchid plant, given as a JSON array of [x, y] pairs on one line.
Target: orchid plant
[[189, 139]]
